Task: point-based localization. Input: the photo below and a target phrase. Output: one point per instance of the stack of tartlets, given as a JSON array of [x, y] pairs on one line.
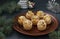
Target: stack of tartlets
[[40, 19]]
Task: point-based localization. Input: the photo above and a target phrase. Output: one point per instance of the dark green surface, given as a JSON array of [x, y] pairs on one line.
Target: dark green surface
[[6, 20]]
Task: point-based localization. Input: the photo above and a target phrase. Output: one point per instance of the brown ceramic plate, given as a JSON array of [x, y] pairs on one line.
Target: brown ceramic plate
[[34, 31]]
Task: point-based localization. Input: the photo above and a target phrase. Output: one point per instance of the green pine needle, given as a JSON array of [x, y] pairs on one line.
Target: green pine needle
[[2, 36], [7, 30], [2, 20], [53, 35], [9, 7]]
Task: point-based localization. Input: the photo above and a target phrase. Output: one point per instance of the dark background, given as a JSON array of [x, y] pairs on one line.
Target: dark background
[[39, 5]]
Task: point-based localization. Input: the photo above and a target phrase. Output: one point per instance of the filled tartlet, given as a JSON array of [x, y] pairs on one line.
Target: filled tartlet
[[27, 25], [35, 19], [29, 14], [40, 14], [21, 19], [41, 25], [47, 18]]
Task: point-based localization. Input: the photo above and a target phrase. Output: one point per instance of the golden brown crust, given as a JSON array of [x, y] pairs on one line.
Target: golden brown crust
[[40, 14], [41, 25], [35, 19], [29, 14], [21, 19], [47, 18], [27, 25]]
